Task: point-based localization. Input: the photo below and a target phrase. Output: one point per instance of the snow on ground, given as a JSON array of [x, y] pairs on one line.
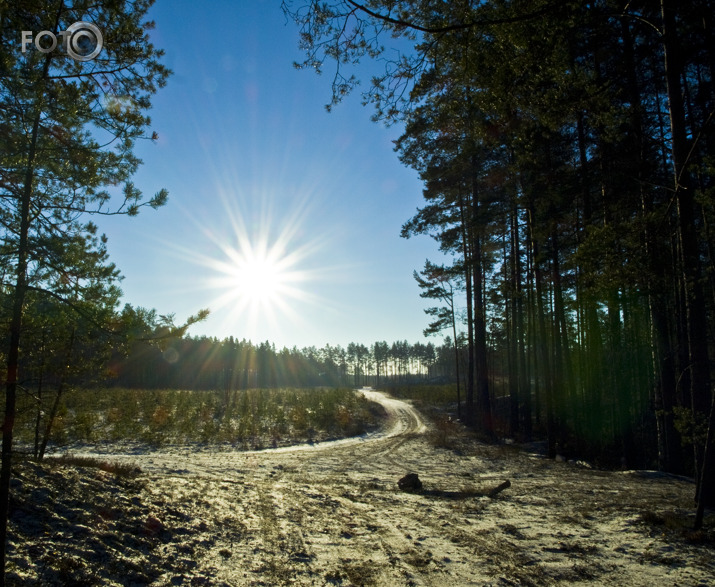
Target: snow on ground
[[332, 514]]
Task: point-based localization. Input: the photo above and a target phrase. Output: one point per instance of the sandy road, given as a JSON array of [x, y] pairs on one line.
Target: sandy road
[[331, 514], [326, 513], [404, 421]]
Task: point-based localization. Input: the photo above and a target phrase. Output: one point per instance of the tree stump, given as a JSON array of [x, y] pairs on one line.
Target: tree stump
[[410, 482]]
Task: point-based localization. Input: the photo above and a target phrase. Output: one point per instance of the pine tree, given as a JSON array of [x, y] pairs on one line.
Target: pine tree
[[68, 129]]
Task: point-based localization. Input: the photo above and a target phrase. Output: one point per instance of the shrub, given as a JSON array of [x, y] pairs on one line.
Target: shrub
[[255, 416]]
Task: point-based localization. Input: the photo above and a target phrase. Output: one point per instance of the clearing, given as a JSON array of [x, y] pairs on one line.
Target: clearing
[[332, 514]]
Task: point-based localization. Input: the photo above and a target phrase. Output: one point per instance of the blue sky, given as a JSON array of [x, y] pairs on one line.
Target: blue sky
[[261, 177]]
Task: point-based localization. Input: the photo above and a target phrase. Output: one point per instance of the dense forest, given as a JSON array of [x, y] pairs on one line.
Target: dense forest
[[566, 150], [209, 363]]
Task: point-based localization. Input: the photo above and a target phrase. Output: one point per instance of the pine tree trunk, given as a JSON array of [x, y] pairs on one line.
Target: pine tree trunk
[[525, 408], [513, 328], [13, 355], [469, 393], [562, 368], [456, 354], [542, 341], [58, 397], [696, 316], [535, 372], [483, 399]]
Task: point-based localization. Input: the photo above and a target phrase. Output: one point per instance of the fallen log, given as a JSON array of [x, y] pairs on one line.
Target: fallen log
[[497, 490]]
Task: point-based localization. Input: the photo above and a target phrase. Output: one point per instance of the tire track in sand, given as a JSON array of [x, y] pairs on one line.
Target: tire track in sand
[[404, 422]]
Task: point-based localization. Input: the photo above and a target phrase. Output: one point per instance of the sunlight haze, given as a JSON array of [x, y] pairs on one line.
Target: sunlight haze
[[283, 219]]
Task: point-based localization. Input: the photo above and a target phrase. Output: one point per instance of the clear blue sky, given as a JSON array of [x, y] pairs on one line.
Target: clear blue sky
[[256, 168]]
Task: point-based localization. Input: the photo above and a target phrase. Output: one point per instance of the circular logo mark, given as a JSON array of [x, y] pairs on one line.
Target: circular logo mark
[[81, 36]]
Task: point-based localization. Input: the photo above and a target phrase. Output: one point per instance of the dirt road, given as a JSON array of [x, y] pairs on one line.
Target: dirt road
[[332, 514]]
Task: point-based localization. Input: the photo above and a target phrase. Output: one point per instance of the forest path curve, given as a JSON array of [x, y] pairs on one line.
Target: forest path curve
[[403, 421], [331, 514]]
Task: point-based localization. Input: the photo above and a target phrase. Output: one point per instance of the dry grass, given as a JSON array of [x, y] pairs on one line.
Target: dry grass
[[120, 469], [252, 419]]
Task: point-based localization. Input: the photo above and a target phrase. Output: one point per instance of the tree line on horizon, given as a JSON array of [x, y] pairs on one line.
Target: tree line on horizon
[[566, 151], [209, 363]]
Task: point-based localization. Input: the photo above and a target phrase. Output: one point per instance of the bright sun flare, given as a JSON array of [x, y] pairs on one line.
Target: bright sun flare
[[259, 270], [259, 279]]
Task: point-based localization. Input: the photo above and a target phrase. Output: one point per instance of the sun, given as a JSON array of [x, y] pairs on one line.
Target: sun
[[259, 277], [256, 267], [257, 280]]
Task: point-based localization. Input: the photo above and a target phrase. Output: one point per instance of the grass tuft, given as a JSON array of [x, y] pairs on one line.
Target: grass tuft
[[113, 467]]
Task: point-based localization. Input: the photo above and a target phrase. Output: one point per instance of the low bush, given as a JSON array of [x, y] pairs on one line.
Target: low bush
[[435, 395], [113, 467], [254, 417]]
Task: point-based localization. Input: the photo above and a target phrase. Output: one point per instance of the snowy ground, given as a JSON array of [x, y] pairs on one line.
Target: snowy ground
[[332, 514]]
